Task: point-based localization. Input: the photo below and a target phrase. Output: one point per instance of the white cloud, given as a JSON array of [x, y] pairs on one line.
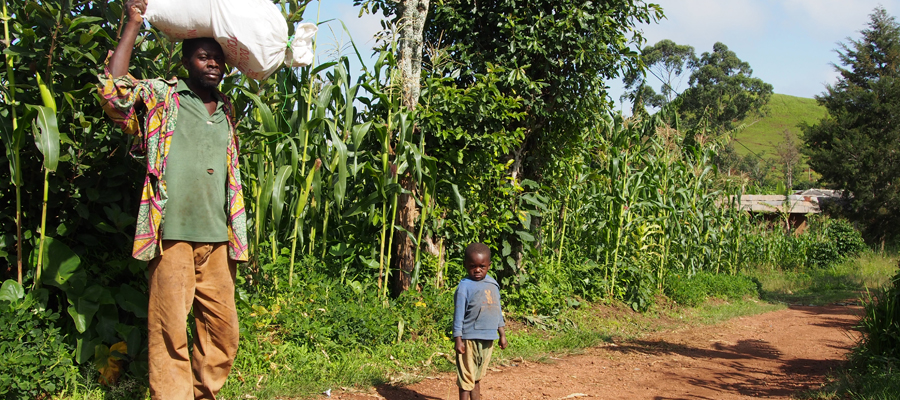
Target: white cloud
[[826, 17]]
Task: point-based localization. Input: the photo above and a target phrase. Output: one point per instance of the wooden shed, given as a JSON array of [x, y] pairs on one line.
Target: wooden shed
[[792, 209]]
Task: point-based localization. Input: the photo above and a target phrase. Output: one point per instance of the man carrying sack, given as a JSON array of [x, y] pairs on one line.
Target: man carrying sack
[[191, 225]]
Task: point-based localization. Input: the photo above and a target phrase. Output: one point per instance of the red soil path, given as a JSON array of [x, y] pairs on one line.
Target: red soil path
[[773, 355]]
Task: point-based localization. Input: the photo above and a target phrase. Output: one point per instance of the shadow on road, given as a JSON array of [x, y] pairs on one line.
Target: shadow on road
[[404, 393]]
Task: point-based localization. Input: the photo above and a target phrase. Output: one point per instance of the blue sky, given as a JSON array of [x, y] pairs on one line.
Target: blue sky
[[788, 43]]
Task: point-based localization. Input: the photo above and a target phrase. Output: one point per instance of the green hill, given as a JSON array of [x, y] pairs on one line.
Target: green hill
[[763, 134]]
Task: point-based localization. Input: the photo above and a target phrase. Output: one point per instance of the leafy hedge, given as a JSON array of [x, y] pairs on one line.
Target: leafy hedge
[[36, 360], [694, 290]]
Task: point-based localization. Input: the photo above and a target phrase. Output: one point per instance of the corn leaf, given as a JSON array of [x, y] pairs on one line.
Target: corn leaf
[[46, 136], [279, 189], [265, 113]]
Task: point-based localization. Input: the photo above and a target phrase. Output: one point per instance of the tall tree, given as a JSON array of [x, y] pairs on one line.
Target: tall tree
[[412, 14], [409, 16], [555, 56], [722, 90], [788, 157], [666, 63], [544, 62], [856, 147]]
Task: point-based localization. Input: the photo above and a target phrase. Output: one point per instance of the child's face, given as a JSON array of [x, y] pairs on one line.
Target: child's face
[[477, 266]]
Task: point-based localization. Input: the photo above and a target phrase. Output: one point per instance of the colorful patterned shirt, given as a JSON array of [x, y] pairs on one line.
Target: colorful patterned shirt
[[120, 98]]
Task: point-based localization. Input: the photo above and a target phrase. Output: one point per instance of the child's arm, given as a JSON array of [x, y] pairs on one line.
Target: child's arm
[[459, 314], [502, 331]]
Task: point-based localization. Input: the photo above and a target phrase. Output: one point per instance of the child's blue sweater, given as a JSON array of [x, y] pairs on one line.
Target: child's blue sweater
[[477, 313]]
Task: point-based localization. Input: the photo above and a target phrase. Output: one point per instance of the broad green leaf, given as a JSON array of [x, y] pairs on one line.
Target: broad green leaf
[[460, 200], [279, 190], [132, 300], [61, 264], [46, 96], [362, 205], [107, 319], [11, 291], [265, 113], [358, 134], [323, 67], [525, 236], [265, 196], [84, 347], [340, 154], [83, 19], [46, 138], [12, 143], [82, 312], [304, 194], [295, 156]]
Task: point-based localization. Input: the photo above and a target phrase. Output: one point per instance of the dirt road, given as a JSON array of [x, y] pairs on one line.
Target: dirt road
[[772, 355]]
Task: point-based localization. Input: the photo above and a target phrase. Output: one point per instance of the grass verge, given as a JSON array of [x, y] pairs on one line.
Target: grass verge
[[267, 368], [843, 282], [285, 370]]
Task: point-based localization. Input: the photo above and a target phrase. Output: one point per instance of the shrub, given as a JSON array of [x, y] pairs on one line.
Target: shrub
[[35, 358], [880, 326], [838, 241]]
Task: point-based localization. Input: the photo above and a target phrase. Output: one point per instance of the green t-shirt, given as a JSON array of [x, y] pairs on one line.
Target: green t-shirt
[[196, 172]]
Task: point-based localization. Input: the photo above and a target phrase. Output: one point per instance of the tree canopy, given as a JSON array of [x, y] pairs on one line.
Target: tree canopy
[[856, 147], [666, 62], [722, 90]]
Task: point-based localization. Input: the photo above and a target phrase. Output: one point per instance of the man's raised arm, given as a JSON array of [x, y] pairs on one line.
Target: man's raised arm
[[118, 64]]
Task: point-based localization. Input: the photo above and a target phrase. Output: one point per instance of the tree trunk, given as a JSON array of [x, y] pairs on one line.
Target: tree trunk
[[411, 16]]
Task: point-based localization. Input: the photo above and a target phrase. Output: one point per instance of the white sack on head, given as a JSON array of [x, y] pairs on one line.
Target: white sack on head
[[181, 19], [253, 33]]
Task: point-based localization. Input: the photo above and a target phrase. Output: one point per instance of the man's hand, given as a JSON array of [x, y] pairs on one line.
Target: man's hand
[[503, 343], [121, 58], [136, 9], [460, 347]]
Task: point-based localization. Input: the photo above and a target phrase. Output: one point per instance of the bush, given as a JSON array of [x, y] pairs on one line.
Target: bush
[[35, 358], [837, 241], [880, 326], [693, 290], [320, 311]]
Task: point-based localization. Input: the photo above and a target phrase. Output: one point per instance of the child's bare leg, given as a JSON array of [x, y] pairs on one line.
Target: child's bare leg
[[476, 392], [465, 394]]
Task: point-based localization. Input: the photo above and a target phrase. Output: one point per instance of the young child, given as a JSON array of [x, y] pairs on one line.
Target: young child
[[477, 321]]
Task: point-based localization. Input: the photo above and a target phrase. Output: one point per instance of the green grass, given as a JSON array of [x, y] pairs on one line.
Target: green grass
[[713, 313], [843, 282], [763, 134]]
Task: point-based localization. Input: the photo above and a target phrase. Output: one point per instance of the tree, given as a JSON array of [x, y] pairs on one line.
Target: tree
[[856, 146], [556, 57], [788, 157], [722, 90], [525, 80], [409, 16], [667, 62]]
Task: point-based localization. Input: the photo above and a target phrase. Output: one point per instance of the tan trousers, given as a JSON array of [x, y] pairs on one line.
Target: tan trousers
[[199, 275], [471, 366]]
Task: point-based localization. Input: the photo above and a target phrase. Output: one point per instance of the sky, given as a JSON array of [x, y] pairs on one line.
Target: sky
[[788, 43]]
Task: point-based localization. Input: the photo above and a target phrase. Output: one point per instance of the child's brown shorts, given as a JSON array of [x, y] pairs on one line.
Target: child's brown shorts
[[471, 366]]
